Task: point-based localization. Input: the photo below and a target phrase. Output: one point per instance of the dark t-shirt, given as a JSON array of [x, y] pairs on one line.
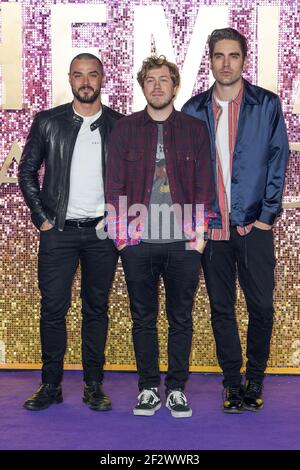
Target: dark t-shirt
[[161, 225]]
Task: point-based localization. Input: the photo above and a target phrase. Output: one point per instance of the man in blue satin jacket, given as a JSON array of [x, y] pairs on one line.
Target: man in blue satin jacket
[[250, 152]]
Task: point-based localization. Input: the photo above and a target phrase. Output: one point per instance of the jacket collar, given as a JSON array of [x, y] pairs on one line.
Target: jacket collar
[[78, 119], [238, 99], [250, 95], [71, 115]]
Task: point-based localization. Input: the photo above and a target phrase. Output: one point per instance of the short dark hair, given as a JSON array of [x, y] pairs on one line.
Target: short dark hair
[[227, 33], [155, 62], [87, 56]]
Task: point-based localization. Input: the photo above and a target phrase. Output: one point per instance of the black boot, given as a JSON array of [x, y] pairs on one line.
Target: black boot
[[233, 399], [253, 396], [46, 395], [95, 398]]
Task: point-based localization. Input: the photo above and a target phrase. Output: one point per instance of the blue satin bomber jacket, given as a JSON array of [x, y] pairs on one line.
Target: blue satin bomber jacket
[[260, 154]]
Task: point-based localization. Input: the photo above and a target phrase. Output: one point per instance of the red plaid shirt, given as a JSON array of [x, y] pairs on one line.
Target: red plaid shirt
[[131, 165], [233, 115]]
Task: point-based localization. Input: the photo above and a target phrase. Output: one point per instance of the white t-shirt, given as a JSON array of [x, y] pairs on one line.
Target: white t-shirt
[[222, 144], [86, 197]]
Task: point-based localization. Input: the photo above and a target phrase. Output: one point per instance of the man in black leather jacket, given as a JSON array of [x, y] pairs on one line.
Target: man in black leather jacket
[[71, 141]]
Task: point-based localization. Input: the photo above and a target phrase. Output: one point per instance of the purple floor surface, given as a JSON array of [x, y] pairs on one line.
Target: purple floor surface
[[73, 426]]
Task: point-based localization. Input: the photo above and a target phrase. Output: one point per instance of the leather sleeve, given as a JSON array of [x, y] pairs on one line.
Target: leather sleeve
[[31, 161]]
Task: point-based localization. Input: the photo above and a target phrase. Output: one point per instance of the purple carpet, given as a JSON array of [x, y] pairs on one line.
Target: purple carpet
[[71, 425]]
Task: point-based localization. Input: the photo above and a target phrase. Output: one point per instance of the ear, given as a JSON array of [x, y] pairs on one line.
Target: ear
[[245, 63], [102, 80]]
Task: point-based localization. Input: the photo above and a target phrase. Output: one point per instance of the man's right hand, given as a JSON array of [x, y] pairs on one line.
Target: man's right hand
[[46, 226]]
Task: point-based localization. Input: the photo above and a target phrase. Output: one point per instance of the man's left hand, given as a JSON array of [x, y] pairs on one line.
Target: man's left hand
[[262, 225], [200, 245]]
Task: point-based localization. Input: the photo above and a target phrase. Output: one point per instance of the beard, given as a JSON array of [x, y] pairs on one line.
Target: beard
[[161, 105], [86, 98]]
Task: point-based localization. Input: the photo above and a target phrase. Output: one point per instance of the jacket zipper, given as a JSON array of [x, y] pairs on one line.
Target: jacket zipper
[[62, 205]]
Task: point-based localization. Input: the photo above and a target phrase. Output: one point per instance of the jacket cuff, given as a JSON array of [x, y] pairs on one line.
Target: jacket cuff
[[38, 219], [267, 217]]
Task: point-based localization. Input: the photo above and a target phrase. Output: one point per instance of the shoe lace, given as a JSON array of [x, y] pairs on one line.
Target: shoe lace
[[177, 398], [255, 388], [232, 391], [95, 389], [146, 395], [47, 388]]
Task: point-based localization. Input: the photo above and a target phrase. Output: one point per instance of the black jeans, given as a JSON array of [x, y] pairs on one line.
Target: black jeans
[[252, 258], [143, 264], [59, 255]]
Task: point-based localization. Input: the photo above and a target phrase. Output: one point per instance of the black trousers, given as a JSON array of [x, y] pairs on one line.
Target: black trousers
[[143, 264], [60, 252], [251, 257]]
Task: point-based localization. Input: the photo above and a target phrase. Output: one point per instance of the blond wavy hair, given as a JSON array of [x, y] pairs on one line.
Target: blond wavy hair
[[155, 62]]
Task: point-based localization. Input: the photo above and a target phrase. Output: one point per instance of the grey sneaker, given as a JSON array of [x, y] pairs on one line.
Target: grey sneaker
[[148, 402], [178, 405]]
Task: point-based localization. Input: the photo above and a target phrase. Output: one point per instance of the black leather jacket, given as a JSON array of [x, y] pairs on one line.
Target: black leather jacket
[[51, 141]]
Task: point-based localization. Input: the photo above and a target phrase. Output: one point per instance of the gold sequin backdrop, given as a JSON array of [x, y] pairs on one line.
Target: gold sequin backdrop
[[33, 63], [19, 308]]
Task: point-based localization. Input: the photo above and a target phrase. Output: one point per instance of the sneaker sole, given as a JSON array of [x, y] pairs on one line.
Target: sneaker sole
[[180, 414], [146, 412]]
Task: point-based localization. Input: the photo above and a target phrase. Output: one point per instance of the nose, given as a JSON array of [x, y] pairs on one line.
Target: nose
[[86, 80], [226, 61], [157, 84]]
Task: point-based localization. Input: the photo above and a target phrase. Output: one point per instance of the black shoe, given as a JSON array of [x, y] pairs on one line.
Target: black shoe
[[253, 396], [178, 405], [46, 395], [148, 402], [233, 399], [95, 398]]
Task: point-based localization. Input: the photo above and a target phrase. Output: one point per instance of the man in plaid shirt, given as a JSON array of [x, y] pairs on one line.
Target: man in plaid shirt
[[160, 194]]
